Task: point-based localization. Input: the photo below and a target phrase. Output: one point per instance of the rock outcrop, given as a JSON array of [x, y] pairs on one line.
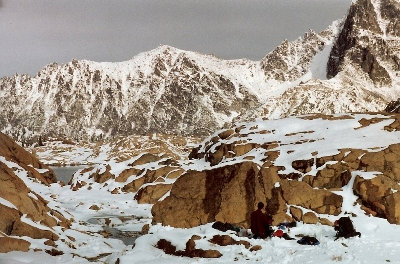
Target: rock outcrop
[[13, 152], [259, 161], [8, 244], [24, 212], [369, 41]]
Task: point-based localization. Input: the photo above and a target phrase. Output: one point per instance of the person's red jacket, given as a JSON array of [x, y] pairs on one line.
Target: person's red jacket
[[259, 223]]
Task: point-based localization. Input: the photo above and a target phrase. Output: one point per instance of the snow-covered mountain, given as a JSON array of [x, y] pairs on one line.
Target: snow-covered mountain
[[180, 92], [164, 90], [361, 66]]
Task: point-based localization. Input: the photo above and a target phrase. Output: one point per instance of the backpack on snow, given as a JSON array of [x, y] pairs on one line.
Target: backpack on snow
[[307, 240]]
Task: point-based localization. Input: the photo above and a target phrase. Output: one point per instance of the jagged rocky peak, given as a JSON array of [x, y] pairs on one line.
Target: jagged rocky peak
[[291, 60], [369, 41]]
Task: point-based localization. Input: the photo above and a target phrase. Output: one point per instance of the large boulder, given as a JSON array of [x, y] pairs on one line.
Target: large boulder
[[229, 194], [223, 194]]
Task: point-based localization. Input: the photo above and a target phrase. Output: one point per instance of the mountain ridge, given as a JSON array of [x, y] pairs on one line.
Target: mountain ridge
[[353, 66], [166, 85]]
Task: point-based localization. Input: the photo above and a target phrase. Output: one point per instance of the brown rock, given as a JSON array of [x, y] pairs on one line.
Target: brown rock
[[332, 176], [8, 244], [395, 126], [145, 158], [26, 202], [210, 253], [124, 175], [373, 191], [393, 208], [352, 159], [302, 194], [135, 185], [276, 206], [368, 211], [241, 149], [22, 229], [325, 221], [310, 218], [366, 122], [372, 160], [54, 252], [296, 213], [105, 233], [303, 166], [13, 152], [149, 176], [78, 185], [50, 243], [152, 193], [145, 229], [226, 240], [94, 207], [190, 245], [225, 134], [175, 173], [225, 194], [103, 177], [190, 250], [219, 153], [255, 248]]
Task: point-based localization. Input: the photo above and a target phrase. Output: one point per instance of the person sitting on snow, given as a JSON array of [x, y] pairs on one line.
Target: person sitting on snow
[[260, 223], [344, 228]]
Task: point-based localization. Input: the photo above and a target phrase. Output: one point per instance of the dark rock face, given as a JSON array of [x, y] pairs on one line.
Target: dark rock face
[[364, 43], [393, 107]]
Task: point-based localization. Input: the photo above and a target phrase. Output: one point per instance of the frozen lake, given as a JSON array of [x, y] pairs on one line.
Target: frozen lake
[[64, 174]]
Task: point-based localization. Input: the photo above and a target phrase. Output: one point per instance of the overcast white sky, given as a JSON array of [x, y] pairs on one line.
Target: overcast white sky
[[37, 32]]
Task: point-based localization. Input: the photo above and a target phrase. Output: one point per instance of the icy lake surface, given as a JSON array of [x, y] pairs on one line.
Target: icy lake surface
[[64, 174]]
